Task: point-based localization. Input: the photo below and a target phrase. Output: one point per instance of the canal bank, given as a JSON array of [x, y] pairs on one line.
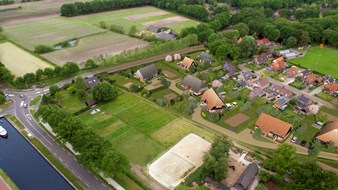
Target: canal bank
[[24, 164]]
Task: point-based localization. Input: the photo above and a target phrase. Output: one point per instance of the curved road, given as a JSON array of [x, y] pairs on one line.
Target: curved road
[[69, 161]]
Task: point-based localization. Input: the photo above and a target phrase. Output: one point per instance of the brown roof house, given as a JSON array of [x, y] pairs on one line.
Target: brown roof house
[[195, 85], [262, 58], [273, 127], [278, 64], [146, 73], [281, 90], [291, 72], [187, 63], [263, 42], [312, 80], [261, 83], [331, 89], [212, 101], [329, 133]]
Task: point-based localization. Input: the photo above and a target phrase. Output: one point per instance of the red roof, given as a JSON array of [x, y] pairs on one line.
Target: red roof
[[329, 133], [212, 99], [278, 63], [292, 71], [263, 41], [331, 87], [271, 124]]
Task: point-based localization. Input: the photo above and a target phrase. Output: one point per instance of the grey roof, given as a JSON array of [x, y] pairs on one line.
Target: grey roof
[[262, 58], [194, 83], [217, 184], [303, 100], [247, 177], [246, 75], [205, 57], [230, 68], [92, 81], [149, 71], [153, 28], [165, 36], [283, 100]]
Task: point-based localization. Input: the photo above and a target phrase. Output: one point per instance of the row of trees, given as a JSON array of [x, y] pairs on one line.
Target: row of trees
[[5, 74], [6, 2], [96, 153], [303, 175]]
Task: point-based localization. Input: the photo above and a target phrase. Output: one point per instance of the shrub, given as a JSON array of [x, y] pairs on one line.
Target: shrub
[[213, 117], [43, 49]]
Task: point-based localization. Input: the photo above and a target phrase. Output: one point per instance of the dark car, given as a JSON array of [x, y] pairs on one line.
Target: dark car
[[303, 143]]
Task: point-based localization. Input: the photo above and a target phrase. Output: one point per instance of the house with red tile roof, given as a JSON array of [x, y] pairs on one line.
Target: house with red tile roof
[[291, 72], [331, 89], [312, 80], [329, 133], [273, 127], [278, 64], [187, 63], [263, 42], [212, 101]]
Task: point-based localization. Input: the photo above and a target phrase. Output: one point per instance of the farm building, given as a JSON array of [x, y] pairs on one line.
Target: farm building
[[146, 73], [247, 177], [273, 127], [205, 57], [187, 63], [153, 29], [329, 133], [169, 58], [165, 36], [90, 103], [212, 101], [177, 57], [195, 85]]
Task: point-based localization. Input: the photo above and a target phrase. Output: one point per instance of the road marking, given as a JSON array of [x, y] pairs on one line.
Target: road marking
[[28, 116]]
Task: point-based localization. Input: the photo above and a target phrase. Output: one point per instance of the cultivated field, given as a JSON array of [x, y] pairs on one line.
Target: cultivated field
[[237, 119], [47, 30], [139, 17], [108, 43], [33, 8], [18, 61], [326, 58], [172, 167]]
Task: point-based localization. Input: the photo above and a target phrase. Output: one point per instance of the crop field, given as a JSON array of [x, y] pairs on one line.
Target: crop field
[[139, 17], [18, 61], [108, 43], [323, 60], [47, 30], [33, 8]]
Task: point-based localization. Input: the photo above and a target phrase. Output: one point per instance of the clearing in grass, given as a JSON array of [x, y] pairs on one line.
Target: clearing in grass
[[173, 166], [18, 61], [323, 60], [108, 43]]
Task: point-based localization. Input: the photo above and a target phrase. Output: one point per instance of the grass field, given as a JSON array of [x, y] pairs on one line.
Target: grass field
[[19, 61], [326, 58], [108, 43], [138, 17], [46, 30], [34, 8]]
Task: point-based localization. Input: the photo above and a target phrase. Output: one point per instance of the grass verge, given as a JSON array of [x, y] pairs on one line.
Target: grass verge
[[8, 180]]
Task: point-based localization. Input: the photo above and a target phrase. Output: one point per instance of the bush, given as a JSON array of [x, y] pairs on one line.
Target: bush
[[213, 117], [43, 49], [90, 64], [117, 28]]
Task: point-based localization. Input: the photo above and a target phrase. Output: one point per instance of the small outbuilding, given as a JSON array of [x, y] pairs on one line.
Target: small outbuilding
[[177, 57], [169, 58], [247, 177]]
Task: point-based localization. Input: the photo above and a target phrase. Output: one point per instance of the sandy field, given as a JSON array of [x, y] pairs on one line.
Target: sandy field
[[237, 119], [166, 21], [172, 167], [168, 74], [18, 61]]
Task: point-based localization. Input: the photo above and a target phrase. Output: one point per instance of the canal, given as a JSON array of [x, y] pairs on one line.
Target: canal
[[25, 166]]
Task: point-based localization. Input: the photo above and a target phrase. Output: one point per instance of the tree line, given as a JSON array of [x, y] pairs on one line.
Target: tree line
[[96, 153]]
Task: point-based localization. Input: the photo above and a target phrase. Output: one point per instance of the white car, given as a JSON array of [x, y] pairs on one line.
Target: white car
[[234, 103], [3, 132], [294, 139]]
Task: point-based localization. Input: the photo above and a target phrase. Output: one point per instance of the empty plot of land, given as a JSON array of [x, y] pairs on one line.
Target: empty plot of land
[[146, 15], [47, 30], [237, 119], [33, 8], [108, 43], [172, 167], [18, 61], [168, 74], [166, 21]]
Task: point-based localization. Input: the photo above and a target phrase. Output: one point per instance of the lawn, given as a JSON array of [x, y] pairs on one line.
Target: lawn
[[70, 102], [107, 43], [121, 80], [323, 60], [34, 8], [19, 61], [47, 30], [328, 97], [172, 68], [139, 17]]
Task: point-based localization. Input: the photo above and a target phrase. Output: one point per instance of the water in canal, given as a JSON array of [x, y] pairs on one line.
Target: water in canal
[[25, 166]]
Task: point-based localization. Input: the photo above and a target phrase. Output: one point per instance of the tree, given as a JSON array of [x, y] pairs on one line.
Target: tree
[[69, 10], [271, 32], [242, 28], [133, 88], [213, 117], [304, 39], [114, 163], [216, 25], [49, 72], [103, 25], [39, 74], [282, 160], [132, 30], [71, 90], [5, 75], [53, 89], [165, 82], [90, 63], [81, 83], [104, 91], [2, 98], [291, 42], [314, 148], [43, 49], [81, 94], [29, 78], [73, 67], [248, 46]]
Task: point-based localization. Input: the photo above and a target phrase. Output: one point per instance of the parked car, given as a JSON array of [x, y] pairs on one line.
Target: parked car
[[25, 105], [294, 139], [303, 143]]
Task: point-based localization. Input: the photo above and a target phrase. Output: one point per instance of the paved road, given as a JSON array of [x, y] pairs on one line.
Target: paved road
[[69, 161], [3, 184]]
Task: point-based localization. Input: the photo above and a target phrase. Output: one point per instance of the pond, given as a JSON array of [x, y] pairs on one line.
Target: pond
[[25, 166]]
